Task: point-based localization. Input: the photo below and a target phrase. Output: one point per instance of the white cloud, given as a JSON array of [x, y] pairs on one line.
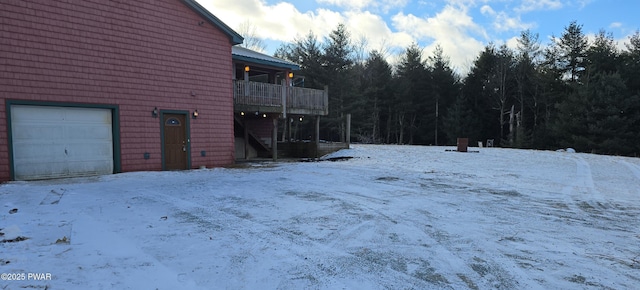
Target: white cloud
[[535, 5], [583, 3], [452, 29], [503, 22], [281, 22], [512, 43], [615, 25], [349, 4], [358, 5], [375, 30], [487, 10]]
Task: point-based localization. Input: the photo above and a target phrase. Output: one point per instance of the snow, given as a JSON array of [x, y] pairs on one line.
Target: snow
[[391, 217]]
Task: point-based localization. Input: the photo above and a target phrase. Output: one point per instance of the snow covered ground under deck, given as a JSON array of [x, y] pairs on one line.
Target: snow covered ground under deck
[[392, 217]]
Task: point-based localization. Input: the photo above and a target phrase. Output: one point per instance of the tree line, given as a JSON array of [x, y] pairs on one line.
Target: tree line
[[572, 92]]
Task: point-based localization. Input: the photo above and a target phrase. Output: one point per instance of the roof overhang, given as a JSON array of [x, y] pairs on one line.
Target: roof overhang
[[241, 54], [234, 37]]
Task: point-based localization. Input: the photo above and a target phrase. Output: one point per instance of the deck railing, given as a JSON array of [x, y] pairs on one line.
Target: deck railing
[[298, 100], [257, 94], [304, 98]]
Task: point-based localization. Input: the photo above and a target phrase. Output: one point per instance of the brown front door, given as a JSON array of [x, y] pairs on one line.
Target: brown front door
[[176, 144]]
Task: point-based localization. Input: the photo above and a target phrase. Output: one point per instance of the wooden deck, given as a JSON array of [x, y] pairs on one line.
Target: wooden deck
[[272, 98]]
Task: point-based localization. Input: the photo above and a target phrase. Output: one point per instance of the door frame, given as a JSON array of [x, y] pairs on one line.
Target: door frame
[[115, 127], [187, 132]]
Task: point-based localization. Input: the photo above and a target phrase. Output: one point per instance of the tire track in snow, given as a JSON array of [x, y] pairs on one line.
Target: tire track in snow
[[584, 176], [634, 168], [92, 238], [582, 188]]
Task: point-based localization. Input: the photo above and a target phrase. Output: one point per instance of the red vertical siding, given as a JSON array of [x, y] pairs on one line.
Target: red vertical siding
[[134, 54]]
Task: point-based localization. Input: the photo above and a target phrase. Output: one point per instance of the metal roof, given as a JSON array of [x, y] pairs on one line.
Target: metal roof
[[250, 56], [233, 36]]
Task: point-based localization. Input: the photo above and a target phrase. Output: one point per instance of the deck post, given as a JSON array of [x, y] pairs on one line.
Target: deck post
[[246, 140], [274, 139], [289, 131], [325, 96], [246, 83], [285, 92], [316, 138], [348, 138]]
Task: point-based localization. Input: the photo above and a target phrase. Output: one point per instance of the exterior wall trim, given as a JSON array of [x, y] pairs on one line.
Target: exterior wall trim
[[188, 133], [115, 127]]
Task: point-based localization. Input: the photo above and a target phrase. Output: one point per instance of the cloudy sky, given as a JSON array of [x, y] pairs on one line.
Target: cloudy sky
[[461, 27]]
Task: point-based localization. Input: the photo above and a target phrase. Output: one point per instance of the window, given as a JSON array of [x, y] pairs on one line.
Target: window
[[172, 122]]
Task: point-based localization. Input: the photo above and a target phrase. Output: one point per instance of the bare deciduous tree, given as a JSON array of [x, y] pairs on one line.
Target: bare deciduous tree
[[252, 40]]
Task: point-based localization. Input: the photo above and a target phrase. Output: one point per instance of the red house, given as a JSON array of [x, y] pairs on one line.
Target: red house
[[105, 86]]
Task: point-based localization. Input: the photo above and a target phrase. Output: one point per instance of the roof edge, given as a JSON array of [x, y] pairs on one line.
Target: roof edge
[[233, 36], [294, 67], [239, 53]]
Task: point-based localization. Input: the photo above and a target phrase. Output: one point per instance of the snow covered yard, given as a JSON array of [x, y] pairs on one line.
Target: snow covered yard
[[392, 217]]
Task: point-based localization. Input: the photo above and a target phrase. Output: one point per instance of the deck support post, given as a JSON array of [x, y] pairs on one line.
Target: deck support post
[[348, 129], [274, 139], [289, 131], [316, 137], [246, 139]]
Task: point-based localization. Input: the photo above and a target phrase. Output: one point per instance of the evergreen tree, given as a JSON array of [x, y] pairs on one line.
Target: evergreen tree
[[553, 90], [490, 87], [377, 95], [599, 117], [528, 94], [337, 61], [307, 53], [568, 94], [573, 46], [411, 93], [460, 121], [568, 57], [445, 87], [612, 115], [602, 55], [631, 63]]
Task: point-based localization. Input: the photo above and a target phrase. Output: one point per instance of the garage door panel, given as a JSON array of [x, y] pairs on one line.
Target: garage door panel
[[30, 131], [35, 114], [37, 153], [52, 142], [52, 169]]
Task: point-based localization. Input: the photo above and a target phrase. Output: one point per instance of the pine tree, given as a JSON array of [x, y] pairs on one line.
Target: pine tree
[[631, 63], [573, 46], [337, 61], [411, 93], [528, 94], [459, 121], [602, 55], [377, 94], [444, 89], [478, 88], [307, 53]]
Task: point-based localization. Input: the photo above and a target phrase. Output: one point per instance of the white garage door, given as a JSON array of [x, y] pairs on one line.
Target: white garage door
[[53, 142]]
